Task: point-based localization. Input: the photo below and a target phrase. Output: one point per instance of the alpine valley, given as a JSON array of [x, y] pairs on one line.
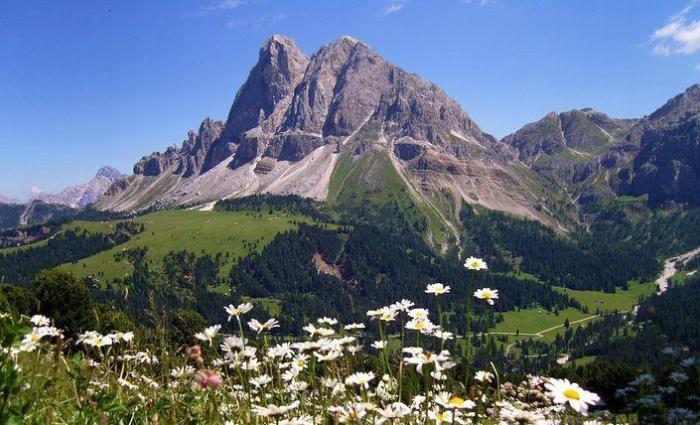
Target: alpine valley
[[339, 181]]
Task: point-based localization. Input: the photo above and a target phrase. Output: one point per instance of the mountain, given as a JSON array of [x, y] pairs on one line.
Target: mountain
[[298, 124], [6, 200], [346, 126], [667, 165], [577, 149], [85, 194], [34, 212]]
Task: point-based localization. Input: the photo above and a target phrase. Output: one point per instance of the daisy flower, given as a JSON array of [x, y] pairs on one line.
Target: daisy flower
[[261, 327], [562, 391], [487, 294], [473, 263], [437, 289], [238, 311], [208, 334]]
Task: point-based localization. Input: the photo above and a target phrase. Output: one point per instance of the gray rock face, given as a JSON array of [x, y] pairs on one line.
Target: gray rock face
[[340, 89], [263, 98], [291, 105], [96, 187], [667, 166], [422, 111], [189, 159]]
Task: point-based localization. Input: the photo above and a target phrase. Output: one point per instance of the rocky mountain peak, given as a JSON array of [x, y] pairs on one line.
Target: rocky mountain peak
[[667, 164], [187, 160], [679, 108], [108, 172], [295, 116], [264, 97], [280, 67]]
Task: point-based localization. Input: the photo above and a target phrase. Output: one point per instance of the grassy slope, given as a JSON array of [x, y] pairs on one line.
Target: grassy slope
[[374, 179], [621, 300], [536, 320], [196, 231], [90, 226]]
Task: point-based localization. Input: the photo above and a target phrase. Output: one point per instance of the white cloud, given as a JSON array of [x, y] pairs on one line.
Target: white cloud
[[36, 190], [394, 6], [679, 35]]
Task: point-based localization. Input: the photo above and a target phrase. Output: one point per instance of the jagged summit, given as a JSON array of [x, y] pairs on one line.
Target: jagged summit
[[109, 173]]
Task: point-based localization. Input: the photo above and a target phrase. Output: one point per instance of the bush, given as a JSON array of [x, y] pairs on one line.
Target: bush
[[65, 299], [20, 300], [184, 324]]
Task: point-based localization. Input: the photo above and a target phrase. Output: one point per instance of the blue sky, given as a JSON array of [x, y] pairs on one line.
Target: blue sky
[[91, 83]]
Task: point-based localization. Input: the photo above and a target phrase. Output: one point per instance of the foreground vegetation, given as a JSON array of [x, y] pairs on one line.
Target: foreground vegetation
[[240, 373], [399, 365]]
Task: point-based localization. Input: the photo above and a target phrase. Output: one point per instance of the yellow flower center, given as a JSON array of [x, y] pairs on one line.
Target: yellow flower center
[[455, 401], [572, 394]]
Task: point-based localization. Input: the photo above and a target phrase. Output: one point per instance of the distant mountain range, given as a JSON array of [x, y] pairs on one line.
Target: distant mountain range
[[6, 200], [83, 195], [47, 207]]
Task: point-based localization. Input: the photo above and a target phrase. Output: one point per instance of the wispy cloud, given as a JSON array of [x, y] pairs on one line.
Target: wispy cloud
[[213, 7], [394, 6], [221, 5], [479, 2], [36, 190], [257, 23], [680, 35]]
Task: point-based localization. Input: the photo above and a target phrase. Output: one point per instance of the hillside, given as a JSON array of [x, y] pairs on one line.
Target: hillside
[[230, 235]]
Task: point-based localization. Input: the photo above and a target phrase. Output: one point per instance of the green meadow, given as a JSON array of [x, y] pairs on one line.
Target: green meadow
[[232, 234]]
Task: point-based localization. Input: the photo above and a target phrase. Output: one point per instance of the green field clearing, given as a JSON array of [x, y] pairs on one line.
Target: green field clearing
[[621, 300], [199, 232], [534, 320]]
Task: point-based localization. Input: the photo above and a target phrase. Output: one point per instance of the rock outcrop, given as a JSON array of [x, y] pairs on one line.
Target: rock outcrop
[[667, 166]]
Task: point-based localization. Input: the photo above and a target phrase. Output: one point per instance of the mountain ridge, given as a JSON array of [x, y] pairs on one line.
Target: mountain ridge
[[298, 118]]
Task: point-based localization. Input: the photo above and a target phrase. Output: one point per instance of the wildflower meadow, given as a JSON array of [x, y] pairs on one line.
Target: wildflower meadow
[[399, 367]]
